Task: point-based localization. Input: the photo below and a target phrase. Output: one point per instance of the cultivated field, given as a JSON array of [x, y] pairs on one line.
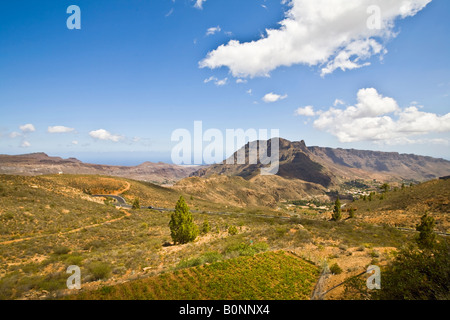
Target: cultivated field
[[266, 276]]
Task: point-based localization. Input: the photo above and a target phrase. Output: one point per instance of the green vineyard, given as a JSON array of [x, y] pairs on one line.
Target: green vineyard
[[267, 276]]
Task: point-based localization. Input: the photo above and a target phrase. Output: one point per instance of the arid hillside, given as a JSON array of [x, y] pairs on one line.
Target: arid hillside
[[41, 164], [258, 191]]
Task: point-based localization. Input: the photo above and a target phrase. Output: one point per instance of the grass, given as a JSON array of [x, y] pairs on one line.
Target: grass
[[267, 276]]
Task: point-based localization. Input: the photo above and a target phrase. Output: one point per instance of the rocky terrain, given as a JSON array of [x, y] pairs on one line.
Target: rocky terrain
[[328, 166]]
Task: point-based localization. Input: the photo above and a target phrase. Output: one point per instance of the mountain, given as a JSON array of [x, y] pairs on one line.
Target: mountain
[[41, 163], [329, 167]]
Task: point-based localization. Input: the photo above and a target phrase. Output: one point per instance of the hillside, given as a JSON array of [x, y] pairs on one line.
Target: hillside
[[403, 207], [51, 222], [330, 167], [42, 164], [258, 191]]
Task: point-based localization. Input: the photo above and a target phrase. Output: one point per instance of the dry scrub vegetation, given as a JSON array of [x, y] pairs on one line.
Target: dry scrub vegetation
[[50, 222]]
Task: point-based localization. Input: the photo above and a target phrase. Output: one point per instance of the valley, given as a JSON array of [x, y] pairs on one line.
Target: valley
[[254, 222]]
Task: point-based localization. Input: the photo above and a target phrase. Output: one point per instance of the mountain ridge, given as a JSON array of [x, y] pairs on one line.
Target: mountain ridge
[[330, 166], [40, 163]]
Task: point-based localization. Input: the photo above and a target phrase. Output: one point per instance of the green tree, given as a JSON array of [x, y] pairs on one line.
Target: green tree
[[417, 275], [427, 237], [385, 187], [206, 227], [182, 226], [136, 204], [351, 213], [337, 211]]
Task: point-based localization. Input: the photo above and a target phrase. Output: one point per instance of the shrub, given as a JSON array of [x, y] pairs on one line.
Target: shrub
[[206, 228], [74, 260], [7, 216], [144, 225], [99, 270], [209, 257], [136, 204], [417, 275], [232, 230], [243, 249], [336, 269], [61, 250]]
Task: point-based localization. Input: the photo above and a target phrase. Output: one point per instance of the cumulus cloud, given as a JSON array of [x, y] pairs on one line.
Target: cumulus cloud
[[59, 129], [307, 111], [213, 30], [273, 97], [339, 34], [104, 135], [379, 119], [27, 128]]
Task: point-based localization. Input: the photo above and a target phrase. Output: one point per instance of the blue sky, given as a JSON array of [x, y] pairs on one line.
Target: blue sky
[[115, 90]]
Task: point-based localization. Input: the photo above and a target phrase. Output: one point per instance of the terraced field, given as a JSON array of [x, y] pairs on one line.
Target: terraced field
[[267, 276]]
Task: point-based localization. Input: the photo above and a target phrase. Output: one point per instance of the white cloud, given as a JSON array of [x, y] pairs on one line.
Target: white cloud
[[213, 30], [273, 97], [332, 34], [379, 119], [239, 80], [221, 82], [168, 14], [75, 142], [104, 135], [27, 128], [59, 129], [307, 111], [250, 91], [15, 134], [217, 82], [25, 144], [210, 79], [338, 102], [199, 4]]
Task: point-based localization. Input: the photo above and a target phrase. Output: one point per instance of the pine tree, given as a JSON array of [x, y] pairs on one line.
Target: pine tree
[[351, 214], [337, 215], [427, 237], [182, 226]]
